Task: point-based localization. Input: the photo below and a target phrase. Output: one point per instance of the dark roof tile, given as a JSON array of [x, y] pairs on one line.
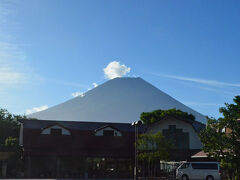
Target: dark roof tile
[[76, 125]]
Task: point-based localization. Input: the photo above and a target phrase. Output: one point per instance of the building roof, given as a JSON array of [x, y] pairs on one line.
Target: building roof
[[106, 126], [78, 125], [200, 154], [197, 126]]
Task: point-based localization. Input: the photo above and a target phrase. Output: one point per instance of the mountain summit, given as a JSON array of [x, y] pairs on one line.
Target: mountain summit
[[117, 100]]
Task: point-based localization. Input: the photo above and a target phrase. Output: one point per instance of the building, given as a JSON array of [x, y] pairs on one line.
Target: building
[[96, 149], [77, 149], [183, 133]]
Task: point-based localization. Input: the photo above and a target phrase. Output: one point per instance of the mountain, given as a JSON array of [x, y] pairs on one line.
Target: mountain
[[117, 100]]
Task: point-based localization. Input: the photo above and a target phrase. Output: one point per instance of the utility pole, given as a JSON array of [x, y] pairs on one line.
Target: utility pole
[[136, 124]]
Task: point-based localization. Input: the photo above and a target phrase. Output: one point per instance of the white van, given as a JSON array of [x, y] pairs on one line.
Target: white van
[[199, 170]]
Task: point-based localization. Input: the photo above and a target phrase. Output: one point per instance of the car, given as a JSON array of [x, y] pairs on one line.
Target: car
[[199, 170]]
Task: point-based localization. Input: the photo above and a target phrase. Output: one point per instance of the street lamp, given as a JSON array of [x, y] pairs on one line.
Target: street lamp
[[136, 124]]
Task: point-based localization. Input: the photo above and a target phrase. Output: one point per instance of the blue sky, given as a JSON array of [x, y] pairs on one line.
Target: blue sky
[[51, 50]]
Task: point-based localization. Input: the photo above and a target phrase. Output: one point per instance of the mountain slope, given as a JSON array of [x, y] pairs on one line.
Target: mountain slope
[[117, 100]]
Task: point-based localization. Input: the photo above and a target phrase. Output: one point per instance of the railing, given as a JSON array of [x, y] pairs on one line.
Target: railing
[[8, 149]]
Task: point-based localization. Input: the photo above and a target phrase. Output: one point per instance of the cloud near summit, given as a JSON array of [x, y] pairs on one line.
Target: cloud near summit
[[115, 69], [36, 109]]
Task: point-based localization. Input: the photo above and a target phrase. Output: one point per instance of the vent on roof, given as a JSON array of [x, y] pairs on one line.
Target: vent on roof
[[107, 131], [56, 130]]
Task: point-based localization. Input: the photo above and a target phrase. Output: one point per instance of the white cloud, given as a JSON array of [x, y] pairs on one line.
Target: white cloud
[[81, 94], [76, 94], [95, 85], [13, 69], [36, 109], [9, 76], [115, 69], [12, 64], [201, 104], [202, 81]]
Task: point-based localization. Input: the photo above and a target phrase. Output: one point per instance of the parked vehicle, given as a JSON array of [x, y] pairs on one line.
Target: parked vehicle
[[199, 170]]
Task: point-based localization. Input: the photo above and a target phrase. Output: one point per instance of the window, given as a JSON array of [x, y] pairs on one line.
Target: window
[[108, 133], [56, 132], [185, 165], [179, 138], [204, 166]]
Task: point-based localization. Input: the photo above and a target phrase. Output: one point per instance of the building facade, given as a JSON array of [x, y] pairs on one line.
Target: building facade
[[182, 133], [77, 149], [68, 149]]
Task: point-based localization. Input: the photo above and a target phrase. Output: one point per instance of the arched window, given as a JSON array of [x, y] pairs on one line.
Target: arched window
[[107, 131], [56, 130]]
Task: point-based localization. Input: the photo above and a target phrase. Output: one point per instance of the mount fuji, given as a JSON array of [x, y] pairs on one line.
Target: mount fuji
[[120, 100]]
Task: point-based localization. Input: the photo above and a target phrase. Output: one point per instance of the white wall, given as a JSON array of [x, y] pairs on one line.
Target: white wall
[[48, 130], [194, 140], [100, 132]]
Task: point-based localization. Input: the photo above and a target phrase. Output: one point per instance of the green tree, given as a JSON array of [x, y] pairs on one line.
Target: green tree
[[11, 142], [9, 137], [224, 147], [155, 116], [9, 126], [152, 148]]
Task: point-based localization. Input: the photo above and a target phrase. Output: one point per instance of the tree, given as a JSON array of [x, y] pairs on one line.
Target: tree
[[155, 116], [9, 126], [11, 142], [152, 148], [224, 146], [9, 137]]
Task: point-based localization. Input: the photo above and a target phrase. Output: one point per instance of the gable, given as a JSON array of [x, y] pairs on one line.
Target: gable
[[107, 131], [181, 128], [55, 129]]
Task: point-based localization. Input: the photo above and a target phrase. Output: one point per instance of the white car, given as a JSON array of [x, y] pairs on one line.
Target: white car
[[199, 170]]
